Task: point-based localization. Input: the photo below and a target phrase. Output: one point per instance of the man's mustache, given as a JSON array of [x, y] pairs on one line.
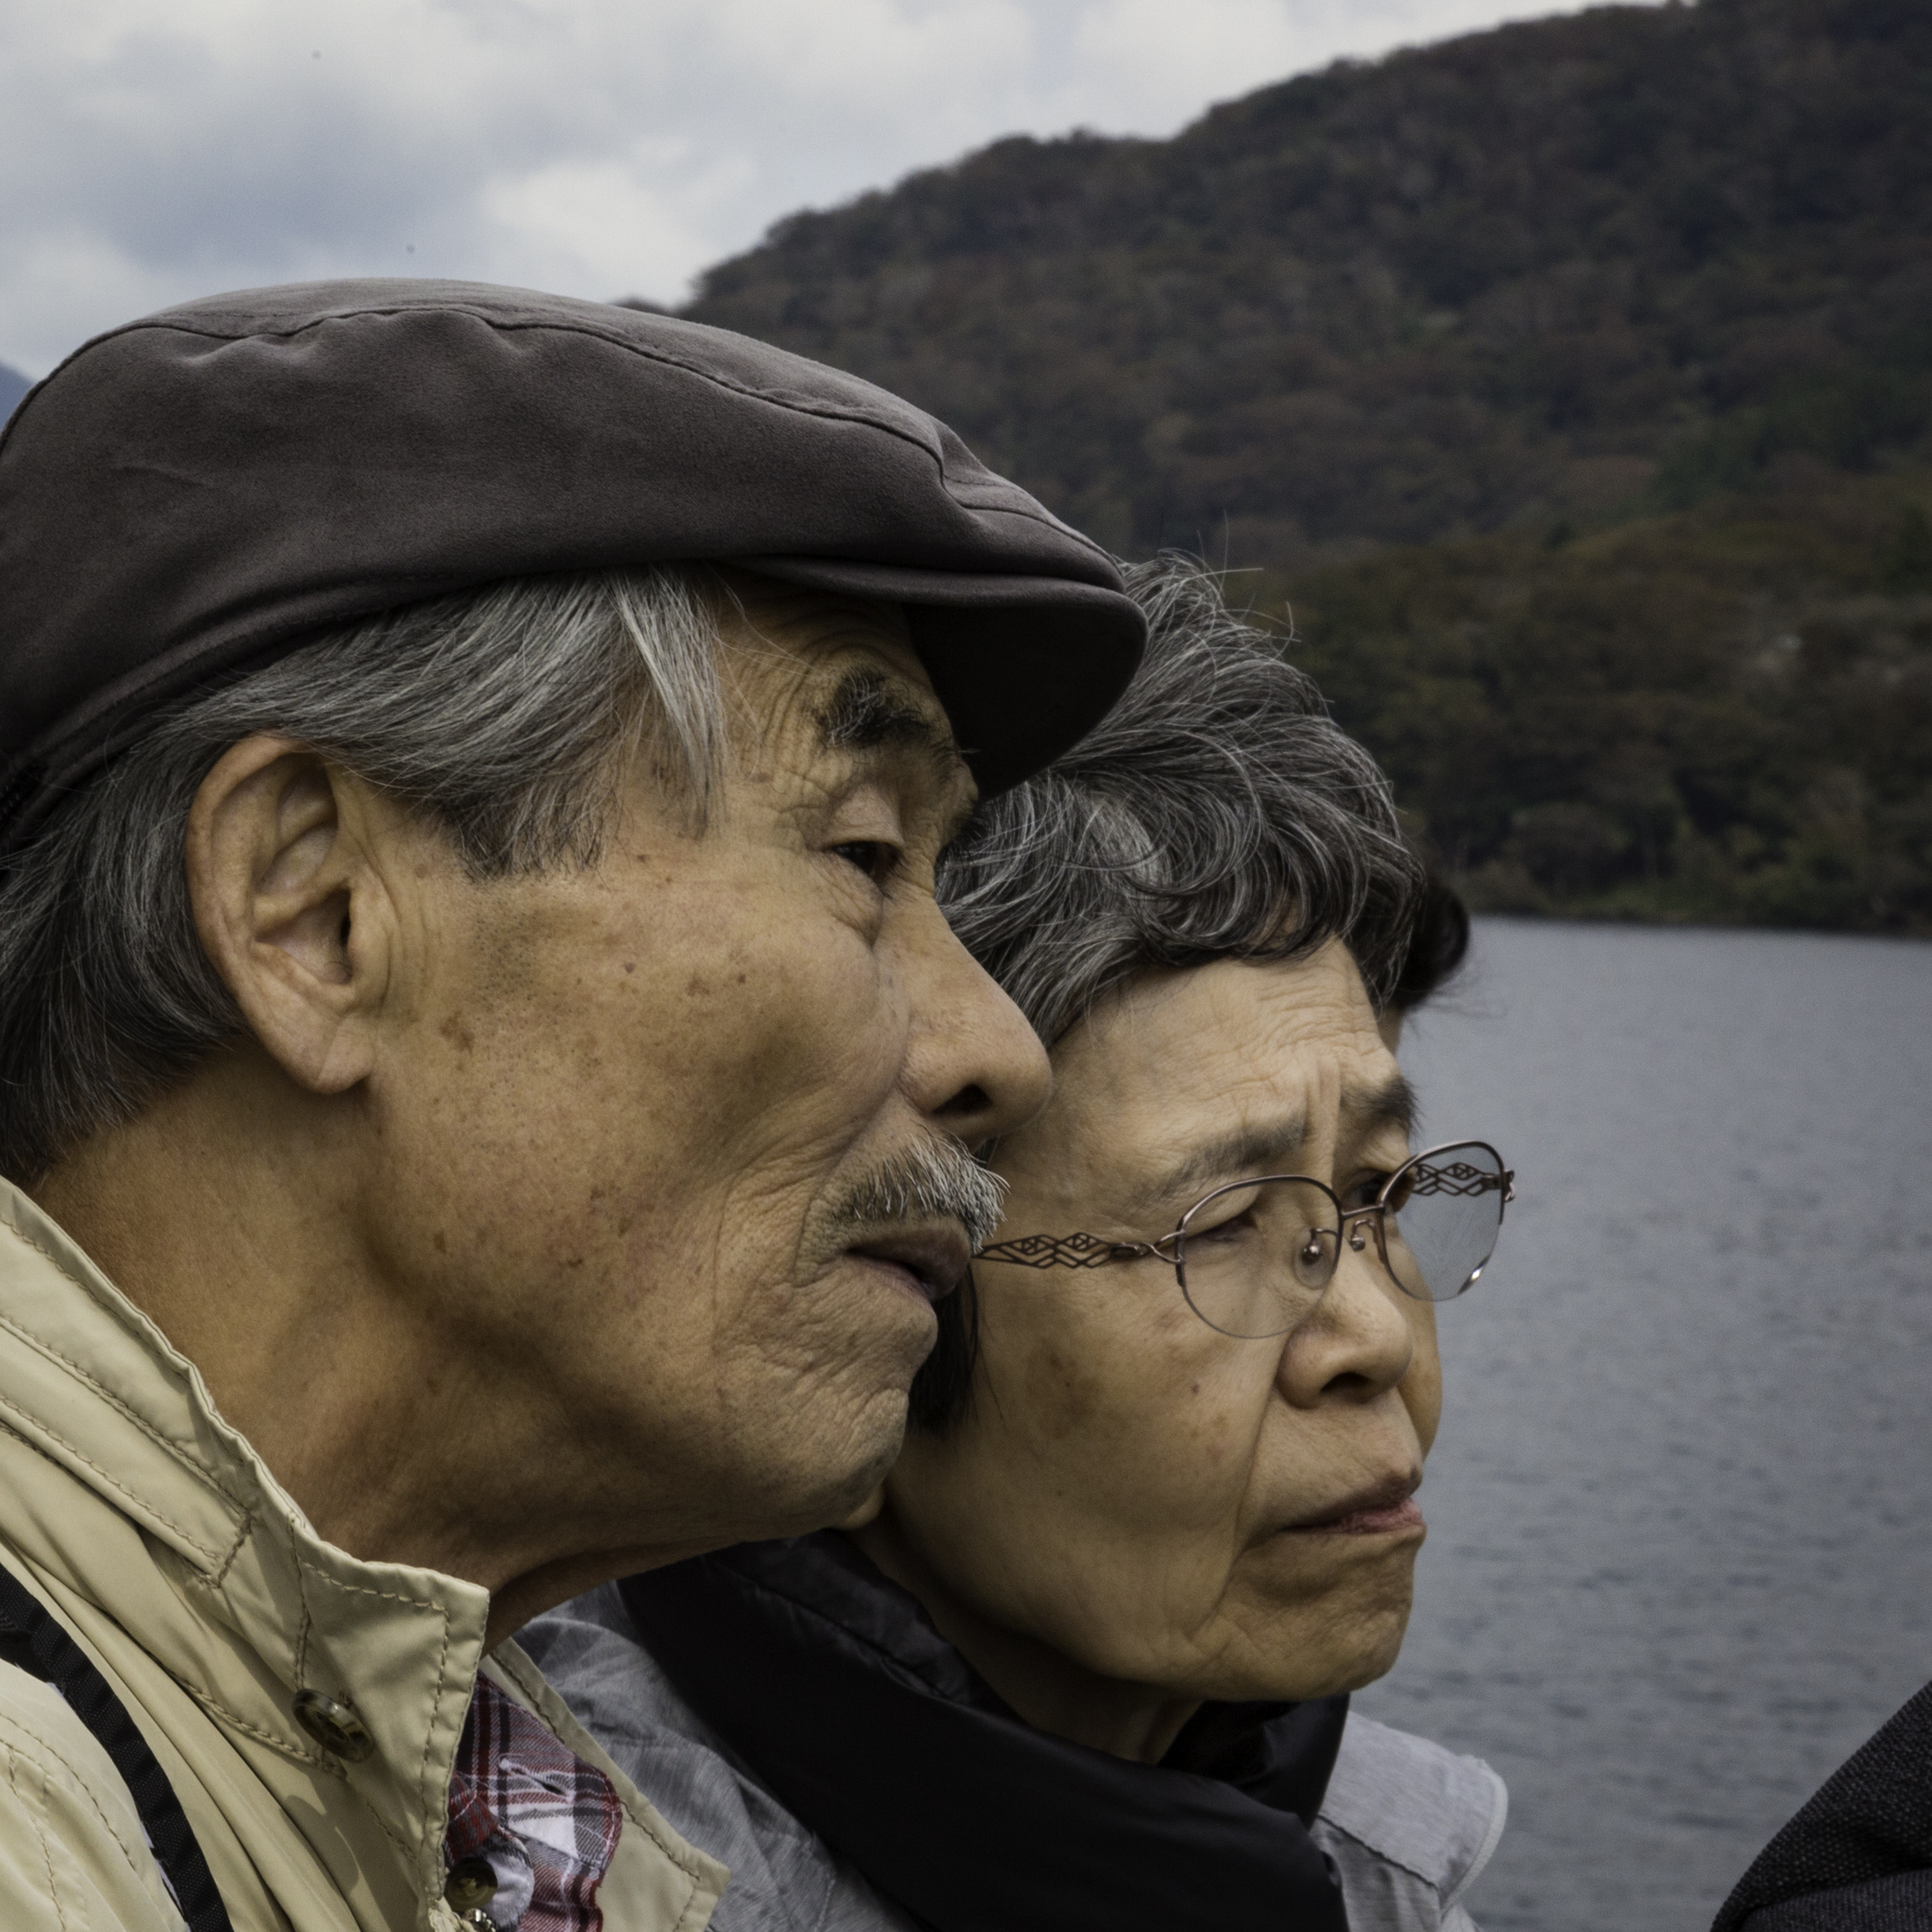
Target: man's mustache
[[930, 1180]]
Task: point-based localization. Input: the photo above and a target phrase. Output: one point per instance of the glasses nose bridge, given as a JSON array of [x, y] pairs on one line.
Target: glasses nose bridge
[[1358, 1224]]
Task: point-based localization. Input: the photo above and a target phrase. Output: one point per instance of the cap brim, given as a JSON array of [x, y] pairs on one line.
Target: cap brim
[[1025, 667]]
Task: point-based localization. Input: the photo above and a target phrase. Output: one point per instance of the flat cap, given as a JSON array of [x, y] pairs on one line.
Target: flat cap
[[193, 494]]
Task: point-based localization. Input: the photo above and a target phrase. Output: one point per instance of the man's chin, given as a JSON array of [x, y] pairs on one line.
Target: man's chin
[[838, 1488]]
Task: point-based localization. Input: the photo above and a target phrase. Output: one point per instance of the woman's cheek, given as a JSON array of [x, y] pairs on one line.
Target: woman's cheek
[[1420, 1388]]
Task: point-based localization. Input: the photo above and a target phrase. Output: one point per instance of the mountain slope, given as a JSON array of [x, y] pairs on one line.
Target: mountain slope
[[1534, 274], [13, 385], [1571, 383], [1721, 714]]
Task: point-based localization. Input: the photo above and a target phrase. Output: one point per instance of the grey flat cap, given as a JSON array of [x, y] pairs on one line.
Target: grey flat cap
[[195, 494]]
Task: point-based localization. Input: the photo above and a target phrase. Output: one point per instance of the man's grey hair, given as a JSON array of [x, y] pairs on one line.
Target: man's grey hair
[[1217, 812], [507, 718]]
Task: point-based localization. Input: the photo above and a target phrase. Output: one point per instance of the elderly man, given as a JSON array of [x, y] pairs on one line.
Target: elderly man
[[483, 1074]]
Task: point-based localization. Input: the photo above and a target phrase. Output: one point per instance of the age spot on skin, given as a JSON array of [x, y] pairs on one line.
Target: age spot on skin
[[457, 1034], [630, 965], [697, 987]]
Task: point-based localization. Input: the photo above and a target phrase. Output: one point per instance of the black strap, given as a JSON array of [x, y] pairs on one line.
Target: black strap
[[30, 1639]]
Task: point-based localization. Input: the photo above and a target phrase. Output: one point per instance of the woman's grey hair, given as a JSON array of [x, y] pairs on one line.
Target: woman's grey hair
[[1217, 812], [508, 717]]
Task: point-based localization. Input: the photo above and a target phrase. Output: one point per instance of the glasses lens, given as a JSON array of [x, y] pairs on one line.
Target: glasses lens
[[1444, 1210], [1255, 1258]]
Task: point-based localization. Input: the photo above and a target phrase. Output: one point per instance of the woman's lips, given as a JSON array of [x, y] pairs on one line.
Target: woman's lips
[[1386, 1508], [1379, 1521]]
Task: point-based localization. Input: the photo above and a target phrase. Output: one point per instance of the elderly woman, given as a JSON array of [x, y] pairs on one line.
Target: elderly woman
[[1084, 1662]]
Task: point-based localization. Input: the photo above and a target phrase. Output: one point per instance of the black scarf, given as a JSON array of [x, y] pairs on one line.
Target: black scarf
[[832, 1684]]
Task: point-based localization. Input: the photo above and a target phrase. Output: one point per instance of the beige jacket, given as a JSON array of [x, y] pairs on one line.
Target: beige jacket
[[160, 1540]]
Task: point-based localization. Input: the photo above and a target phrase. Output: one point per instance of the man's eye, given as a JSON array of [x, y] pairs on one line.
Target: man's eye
[[874, 857]]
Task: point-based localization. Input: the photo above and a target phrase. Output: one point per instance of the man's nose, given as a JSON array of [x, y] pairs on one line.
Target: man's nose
[[975, 1066]]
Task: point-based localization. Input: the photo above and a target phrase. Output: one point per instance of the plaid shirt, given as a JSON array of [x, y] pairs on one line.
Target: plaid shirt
[[547, 1822]]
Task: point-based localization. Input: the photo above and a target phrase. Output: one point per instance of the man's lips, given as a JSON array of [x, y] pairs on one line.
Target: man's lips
[[1378, 1510], [936, 1258]]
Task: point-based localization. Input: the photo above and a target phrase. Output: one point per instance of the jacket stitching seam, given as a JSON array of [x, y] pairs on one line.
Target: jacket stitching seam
[[235, 1548], [106, 1395], [301, 1645], [207, 1698], [113, 1482], [305, 1567], [362, 1590], [316, 1759], [79, 1782], [301, 1755], [1499, 1818], [823, 1912], [40, 1838], [1379, 1852], [423, 1768], [690, 1901], [641, 1820]]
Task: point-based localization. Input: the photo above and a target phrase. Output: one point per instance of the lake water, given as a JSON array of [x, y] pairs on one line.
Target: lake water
[[1680, 1561]]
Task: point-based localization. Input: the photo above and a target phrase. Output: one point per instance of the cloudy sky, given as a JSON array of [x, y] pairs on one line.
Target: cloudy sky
[[155, 150]]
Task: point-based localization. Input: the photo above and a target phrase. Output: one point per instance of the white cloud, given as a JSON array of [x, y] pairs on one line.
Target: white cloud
[[155, 150]]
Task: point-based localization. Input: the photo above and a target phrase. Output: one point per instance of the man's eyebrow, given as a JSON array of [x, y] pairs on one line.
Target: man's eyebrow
[[865, 711], [1260, 1150]]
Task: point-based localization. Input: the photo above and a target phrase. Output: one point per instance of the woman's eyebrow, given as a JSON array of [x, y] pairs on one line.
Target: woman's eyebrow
[[1364, 1110], [1232, 1156], [1262, 1150]]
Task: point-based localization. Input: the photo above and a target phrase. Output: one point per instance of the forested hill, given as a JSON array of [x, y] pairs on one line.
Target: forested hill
[[1572, 381], [1501, 278]]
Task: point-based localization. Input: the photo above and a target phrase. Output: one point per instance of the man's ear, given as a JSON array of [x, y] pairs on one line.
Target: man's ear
[[288, 907]]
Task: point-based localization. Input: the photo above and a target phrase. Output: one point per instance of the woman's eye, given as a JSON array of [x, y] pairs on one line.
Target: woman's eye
[[1364, 1191], [1236, 1228], [874, 857]]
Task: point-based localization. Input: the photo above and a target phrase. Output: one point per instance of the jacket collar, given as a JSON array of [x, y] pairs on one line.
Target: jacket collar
[[242, 1603]]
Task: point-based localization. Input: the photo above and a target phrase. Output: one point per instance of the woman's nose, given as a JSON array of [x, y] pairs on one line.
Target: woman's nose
[[1358, 1341]]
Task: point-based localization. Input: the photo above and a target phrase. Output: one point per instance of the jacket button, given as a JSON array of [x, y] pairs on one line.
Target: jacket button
[[333, 1723], [471, 1885]]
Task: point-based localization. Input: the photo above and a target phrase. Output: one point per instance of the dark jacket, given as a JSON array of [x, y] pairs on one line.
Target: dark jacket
[[1857, 1857]]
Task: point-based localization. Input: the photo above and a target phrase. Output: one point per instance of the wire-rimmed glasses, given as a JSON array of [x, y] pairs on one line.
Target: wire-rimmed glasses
[[1255, 1257]]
